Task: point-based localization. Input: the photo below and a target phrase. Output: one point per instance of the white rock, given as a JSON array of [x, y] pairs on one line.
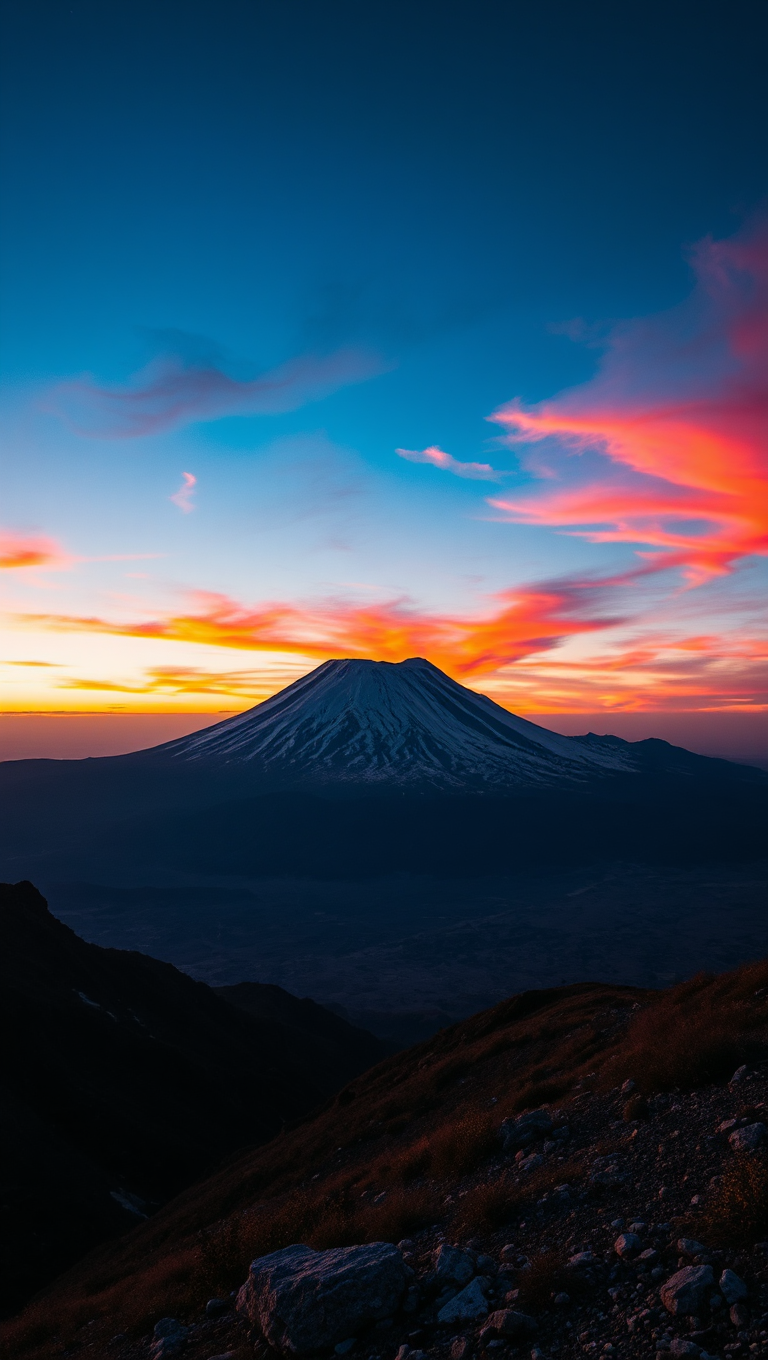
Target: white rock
[[470, 1303]]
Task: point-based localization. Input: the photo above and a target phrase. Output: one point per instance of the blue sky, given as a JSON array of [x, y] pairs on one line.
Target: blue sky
[[449, 206]]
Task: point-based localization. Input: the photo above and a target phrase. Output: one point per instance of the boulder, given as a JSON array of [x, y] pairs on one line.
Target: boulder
[[517, 1133], [732, 1287], [627, 1244], [685, 1293], [304, 1301], [581, 1260], [467, 1305], [748, 1138], [453, 1266], [168, 1337], [507, 1322], [688, 1246]]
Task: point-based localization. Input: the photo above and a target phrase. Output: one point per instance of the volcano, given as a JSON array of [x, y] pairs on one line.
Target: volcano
[[364, 768], [403, 723]]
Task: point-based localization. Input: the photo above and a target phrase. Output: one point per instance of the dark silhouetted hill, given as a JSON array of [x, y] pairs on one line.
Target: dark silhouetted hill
[[122, 1080]]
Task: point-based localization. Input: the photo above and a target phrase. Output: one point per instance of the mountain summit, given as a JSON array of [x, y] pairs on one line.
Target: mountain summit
[[406, 722]]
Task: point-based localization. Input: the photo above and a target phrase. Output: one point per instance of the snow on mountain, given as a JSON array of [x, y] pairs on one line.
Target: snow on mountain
[[378, 722]]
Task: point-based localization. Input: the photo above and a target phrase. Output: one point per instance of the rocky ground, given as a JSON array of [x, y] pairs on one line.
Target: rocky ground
[[621, 1245]]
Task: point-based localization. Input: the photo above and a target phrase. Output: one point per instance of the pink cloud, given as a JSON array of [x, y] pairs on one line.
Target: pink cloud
[[29, 550], [679, 408], [477, 472], [183, 497]]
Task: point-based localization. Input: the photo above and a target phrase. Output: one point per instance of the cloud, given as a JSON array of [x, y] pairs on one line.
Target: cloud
[[29, 550], [477, 472], [180, 680], [518, 624], [679, 409], [552, 647], [187, 384], [647, 672], [183, 497]]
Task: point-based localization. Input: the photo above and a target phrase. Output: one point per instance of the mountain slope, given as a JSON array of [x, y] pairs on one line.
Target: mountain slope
[[412, 1150], [380, 722], [122, 1080]]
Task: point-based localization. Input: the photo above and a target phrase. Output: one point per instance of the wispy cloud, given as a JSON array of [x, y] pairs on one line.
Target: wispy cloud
[[518, 623], [679, 409], [476, 472], [180, 387], [29, 550], [183, 497], [179, 681]]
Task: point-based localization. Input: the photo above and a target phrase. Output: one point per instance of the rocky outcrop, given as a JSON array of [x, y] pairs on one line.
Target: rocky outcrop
[[519, 1133], [303, 1301]]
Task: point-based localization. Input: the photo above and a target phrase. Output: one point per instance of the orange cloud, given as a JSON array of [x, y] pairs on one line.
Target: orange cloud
[[680, 408], [28, 550], [522, 623], [511, 653], [182, 680]]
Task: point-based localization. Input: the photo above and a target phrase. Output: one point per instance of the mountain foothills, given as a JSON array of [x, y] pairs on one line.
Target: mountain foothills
[[123, 1080], [580, 1169], [366, 768]]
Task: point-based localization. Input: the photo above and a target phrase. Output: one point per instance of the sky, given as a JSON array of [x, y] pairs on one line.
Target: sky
[[386, 330]]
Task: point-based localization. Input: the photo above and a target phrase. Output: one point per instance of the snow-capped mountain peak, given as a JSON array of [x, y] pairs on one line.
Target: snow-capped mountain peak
[[380, 722]]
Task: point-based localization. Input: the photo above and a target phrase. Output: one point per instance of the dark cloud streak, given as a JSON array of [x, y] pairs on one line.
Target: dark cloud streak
[[186, 385]]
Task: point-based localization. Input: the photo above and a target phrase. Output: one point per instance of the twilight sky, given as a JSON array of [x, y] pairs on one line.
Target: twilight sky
[[385, 330]]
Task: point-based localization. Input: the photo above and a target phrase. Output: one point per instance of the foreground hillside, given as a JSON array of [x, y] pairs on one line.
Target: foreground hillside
[[638, 1134], [122, 1080]]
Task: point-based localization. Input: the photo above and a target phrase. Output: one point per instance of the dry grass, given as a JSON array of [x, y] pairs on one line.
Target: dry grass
[[485, 1207], [333, 1217], [737, 1213], [637, 1107], [545, 1278], [697, 1033]]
